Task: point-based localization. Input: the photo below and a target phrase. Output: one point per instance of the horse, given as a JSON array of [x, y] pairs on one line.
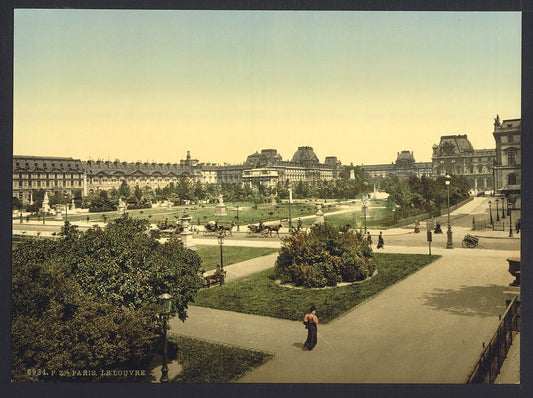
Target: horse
[[274, 228], [226, 229]]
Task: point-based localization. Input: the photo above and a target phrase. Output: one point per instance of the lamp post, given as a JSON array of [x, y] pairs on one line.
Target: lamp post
[[220, 238], [490, 213], [290, 201], [497, 211], [20, 212], [509, 213], [449, 242], [66, 207], [238, 226], [364, 209], [165, 311], [503, 205]]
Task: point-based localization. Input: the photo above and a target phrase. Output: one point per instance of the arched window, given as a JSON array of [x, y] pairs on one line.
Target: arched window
[[510, 138], [511, 179]]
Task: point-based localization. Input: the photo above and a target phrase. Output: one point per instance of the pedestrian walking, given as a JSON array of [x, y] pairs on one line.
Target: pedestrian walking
[[299, 224], [380, 240], [517, 227], [438, 230], [369, 239], [311, 322], [417, 226]]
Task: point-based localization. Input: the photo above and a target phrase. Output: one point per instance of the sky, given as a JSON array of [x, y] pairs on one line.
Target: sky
[[362, 86]]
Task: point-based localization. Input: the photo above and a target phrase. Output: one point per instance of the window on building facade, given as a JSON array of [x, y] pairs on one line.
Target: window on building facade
[[511, 158], [510, 138], [511, 179]]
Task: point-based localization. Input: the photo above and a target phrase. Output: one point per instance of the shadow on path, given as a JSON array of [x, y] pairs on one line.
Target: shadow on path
[[299, 345], [483, 301]]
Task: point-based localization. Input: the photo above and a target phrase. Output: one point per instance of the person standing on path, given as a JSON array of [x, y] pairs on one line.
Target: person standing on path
[[380, 241], [311, 322], [369, 239]]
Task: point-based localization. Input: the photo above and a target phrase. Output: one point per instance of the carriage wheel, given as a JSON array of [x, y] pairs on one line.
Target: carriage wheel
[[464, 243]]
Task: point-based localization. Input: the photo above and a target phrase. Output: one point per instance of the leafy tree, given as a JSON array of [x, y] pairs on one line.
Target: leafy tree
[[57, 326], [17, 203], [88, 300], [101, 202], [124, 190]]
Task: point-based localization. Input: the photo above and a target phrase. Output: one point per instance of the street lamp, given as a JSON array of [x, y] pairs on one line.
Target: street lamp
[[220, 238], [364, 209], [490, 212], [503, 203], [238, 226], [290, 200], [497, 211], [66, 207], [165, 312], [449, 242], [509, 213]]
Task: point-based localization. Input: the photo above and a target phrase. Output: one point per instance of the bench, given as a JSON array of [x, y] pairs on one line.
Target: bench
[[212, 279]]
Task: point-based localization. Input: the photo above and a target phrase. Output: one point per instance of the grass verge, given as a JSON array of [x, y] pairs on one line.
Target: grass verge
[[207, 362], [210, 255], [259, 294]]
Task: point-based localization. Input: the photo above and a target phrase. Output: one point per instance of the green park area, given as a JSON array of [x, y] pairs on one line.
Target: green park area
[[210, 255], [208, 362], [260, 294]]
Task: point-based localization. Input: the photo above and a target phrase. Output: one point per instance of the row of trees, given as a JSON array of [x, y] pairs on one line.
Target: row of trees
[[88, 300], [415, 195]]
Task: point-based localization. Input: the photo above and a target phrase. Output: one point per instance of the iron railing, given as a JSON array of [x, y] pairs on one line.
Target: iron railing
[[493, 355]]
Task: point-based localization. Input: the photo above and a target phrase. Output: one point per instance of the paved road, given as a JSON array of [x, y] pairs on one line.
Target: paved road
[[428, 328]]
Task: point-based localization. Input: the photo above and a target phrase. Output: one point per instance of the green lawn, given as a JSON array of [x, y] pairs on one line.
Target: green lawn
[[259, 294], [210, 255], [206, 362], [201, 215]]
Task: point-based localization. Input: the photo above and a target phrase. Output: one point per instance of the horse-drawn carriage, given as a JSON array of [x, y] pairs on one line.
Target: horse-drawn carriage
[[214, 228], [263, 230]]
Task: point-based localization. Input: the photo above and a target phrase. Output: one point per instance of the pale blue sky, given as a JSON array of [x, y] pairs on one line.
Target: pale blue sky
[[150, 85]]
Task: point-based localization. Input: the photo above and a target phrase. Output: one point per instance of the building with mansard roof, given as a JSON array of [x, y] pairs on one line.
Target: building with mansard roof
[[405, 165], [62, 175], [455, 155], [107, 175]]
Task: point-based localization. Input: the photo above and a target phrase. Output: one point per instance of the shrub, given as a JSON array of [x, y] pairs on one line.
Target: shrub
[[324, 256]]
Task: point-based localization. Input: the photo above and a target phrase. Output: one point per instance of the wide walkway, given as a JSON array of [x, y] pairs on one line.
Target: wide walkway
[[428, 328]]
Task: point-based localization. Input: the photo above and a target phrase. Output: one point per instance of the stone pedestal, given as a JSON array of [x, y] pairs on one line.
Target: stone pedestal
[[220, 210], [186, 235], [59, 216], [73, 208]]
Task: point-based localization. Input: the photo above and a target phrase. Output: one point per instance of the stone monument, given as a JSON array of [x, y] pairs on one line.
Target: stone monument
[[46, 204], [319, 215], [58, 213], [220, 209], [73, 207], [186, 235], [121, 206], [272, 200]]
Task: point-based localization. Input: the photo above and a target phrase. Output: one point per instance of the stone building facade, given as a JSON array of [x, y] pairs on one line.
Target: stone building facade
[[268, 168], [66, 175], [507, 170], [455, 155], [404, 166], [61, 175]]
